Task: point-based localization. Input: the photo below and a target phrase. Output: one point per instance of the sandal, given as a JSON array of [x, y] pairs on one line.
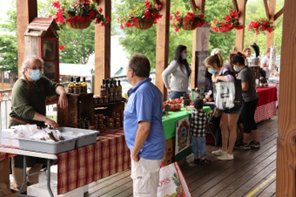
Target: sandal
[[205, 161]]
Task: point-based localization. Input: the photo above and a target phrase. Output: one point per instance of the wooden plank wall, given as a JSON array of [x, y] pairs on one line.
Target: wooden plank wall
[[286, 141]]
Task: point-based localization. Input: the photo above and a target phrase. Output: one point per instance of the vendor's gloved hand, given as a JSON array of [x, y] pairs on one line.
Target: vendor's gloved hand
[[51, 123]]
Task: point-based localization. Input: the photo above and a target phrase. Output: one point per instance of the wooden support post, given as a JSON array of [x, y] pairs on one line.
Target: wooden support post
[[270, 36], [286, 141], [240, 34], [162, 45], [102, 47], [26, 12], [200, 4]]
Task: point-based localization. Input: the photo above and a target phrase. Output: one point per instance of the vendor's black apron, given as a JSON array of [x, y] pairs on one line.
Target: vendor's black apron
[[31, 161]]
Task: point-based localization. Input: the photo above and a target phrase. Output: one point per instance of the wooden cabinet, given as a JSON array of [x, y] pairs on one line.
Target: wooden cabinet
[[79, 105]]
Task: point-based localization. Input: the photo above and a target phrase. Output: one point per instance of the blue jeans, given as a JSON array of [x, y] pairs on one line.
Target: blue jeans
[[174, 94], [199, 146]]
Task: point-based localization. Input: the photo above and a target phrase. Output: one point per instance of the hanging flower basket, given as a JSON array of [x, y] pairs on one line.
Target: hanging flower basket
[[228, 23], [79, 25], [142, 16], [188, 21], [189, 27], [146, 24], [261, 25]]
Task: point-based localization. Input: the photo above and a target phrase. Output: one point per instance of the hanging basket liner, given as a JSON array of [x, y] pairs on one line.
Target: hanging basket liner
[[188, 27], [79, 25], [145, 24]]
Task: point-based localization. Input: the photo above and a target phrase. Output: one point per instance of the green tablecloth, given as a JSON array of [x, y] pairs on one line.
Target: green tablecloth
[[169, 126]]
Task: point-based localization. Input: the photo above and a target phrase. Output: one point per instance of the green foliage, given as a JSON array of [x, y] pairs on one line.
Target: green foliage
[[8, 59], [79, 44]]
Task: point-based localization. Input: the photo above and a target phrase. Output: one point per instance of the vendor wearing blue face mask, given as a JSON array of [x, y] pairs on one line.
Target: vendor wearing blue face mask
[[250, 100], [28, 106], [180, 72]]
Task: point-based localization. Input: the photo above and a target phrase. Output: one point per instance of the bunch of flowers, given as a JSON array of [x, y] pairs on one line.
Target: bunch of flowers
[[81, 10], [227, 23], [192, 19], [261, 25], [141, 12]]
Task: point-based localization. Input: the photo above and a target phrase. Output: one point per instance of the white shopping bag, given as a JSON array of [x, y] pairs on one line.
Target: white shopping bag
[[172, 182]]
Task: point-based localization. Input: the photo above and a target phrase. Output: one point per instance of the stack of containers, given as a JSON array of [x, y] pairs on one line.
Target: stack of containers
[[8, 138]]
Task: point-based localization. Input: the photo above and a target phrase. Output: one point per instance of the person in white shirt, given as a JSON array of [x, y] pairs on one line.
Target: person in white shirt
[[265, 63]]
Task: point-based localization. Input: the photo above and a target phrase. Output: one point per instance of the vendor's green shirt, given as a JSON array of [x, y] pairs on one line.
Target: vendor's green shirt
[[24, 104]]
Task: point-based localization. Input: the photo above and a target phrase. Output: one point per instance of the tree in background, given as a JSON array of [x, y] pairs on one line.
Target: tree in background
[[8, 44]]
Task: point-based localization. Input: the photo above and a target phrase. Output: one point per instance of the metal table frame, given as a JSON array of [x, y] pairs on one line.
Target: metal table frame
[[25, 153]]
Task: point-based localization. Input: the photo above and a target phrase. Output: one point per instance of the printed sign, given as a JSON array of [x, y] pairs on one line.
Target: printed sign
[[182, 135], [202, 39]]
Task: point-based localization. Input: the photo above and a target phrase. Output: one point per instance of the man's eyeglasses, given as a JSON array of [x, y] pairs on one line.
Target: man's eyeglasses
[[36, 68]]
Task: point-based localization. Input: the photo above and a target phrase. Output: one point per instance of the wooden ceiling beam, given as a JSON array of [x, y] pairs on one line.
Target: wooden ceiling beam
[[278, 14], [266, 9]]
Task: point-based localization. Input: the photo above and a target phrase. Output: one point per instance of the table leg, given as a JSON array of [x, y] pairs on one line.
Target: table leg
[[48, 178], [24, 176]]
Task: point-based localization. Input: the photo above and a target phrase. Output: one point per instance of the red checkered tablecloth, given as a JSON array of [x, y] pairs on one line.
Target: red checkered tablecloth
[[266, 95], [84, 165], [266, 106], [6, 155]]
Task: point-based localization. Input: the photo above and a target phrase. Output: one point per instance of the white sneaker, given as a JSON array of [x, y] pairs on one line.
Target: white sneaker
[[226, 157], [219, 152]]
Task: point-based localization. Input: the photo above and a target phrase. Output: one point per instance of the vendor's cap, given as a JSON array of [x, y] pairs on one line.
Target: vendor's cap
[[215, 51]]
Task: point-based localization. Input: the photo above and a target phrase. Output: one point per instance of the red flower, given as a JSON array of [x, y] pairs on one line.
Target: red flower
[[88, 19], [177, 13], [71, 20], [228, 18], [158, 7], [263, 28], [176, 29], [265, 23], [201, 16], [147, 3], [135, 20], [62, 47], [171, 17], [147, 14], [178, 18], [233, 13], [92, 14], [56, 4], [121, 26], [103, 24], [100, 10], [269, 29], [186, 23], [108, 19]]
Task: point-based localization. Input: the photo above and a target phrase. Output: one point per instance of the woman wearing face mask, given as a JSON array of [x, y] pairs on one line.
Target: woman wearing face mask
[[180, 72], [228, 122], [250, 100], [28, 107]]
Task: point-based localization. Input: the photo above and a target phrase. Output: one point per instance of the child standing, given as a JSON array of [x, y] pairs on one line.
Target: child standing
[[199, 119]]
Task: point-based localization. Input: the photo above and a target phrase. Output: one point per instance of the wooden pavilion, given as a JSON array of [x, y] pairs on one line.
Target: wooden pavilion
[[286, 143]]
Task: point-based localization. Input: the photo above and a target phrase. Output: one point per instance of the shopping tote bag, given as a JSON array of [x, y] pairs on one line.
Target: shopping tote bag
[[172, 182], [228, 95]]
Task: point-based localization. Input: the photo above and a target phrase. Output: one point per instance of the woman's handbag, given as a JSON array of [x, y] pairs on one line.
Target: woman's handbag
[[228, 96]]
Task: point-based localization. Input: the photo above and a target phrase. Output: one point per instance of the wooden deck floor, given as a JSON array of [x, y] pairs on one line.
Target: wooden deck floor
[[251, 173]]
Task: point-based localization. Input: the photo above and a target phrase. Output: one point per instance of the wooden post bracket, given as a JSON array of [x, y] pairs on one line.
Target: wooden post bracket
[[235, 5], [266, 9], [193, 5], [278, 14], [157, 2]]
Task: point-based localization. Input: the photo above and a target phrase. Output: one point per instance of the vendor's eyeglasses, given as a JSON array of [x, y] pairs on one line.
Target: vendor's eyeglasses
[[36, 68]]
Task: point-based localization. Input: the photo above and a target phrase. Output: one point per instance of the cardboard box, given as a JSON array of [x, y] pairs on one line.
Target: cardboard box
[[4, 173], [169, 148]]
